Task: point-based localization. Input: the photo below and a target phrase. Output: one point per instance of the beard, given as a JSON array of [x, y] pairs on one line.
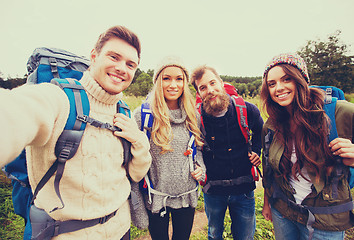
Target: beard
[[216, 106]]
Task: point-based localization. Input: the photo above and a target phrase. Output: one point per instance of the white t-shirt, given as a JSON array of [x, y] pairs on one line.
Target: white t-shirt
[[302, 186]]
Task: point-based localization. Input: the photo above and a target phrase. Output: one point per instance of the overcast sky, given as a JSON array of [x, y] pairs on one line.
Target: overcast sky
[[236, 37]]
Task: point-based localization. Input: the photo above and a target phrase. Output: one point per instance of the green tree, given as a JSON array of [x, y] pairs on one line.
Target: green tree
[[242, 89], [328, 62], [141, 86], [136, 75], [252, 89], [150, 72]]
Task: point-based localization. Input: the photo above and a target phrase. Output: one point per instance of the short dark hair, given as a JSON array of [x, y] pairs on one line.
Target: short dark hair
[[198, 73], [121, 33]]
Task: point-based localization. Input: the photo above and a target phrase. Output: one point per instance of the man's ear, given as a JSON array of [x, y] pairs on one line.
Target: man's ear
[[93, 55]]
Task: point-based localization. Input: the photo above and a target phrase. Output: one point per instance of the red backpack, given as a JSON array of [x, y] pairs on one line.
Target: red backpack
[[241, 111]]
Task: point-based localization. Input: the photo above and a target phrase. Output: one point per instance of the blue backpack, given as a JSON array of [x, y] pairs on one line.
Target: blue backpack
[[332, 91], [63, 69], [332, 95], [329, 108]]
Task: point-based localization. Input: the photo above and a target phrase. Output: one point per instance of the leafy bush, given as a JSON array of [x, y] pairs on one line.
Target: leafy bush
[[11, 225]]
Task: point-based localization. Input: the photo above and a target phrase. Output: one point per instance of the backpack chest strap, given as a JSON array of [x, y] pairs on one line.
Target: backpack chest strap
[[98, 124]]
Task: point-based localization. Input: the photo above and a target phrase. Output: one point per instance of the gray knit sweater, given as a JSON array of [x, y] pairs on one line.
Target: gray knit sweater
[[170, 172]]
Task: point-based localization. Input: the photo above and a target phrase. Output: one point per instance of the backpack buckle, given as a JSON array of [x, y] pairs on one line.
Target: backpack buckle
[[226, 182], [104, 219], [64, 155], [54, 67], [82, 118], [111, 127], [329, 91]]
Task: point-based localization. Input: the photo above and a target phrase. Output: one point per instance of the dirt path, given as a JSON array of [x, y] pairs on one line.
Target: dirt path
[[199, 224]]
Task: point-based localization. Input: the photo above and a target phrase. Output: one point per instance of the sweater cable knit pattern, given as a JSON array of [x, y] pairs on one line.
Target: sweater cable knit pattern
[[94, 183]]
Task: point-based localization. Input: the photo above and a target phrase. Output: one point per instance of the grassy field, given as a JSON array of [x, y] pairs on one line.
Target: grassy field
[[133, 101]]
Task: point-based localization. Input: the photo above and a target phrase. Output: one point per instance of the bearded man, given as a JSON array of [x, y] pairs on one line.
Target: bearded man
[[227, 157]]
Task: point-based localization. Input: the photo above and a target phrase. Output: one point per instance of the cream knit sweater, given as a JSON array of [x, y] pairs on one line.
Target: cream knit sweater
[[94, 183]]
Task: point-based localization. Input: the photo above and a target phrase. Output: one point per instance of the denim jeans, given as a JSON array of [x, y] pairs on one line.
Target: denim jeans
[[242, 213], [290, 230]]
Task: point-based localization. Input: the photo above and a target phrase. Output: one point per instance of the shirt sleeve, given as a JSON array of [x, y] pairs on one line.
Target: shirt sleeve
[[28, 116]]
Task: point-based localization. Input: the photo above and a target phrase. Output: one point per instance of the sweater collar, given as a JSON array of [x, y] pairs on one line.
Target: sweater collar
[[97, 92], [178, 115]]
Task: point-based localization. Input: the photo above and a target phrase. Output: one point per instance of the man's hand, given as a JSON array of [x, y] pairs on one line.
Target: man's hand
[[130, 130], [254, 159]]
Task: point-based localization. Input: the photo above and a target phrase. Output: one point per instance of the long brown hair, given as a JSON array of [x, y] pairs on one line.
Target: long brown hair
[[311, 126]]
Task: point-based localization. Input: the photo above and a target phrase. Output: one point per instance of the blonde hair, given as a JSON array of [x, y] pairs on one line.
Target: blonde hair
[[161, 133]]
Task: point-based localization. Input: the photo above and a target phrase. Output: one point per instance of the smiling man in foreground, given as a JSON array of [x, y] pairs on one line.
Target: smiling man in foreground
[[94, 185]]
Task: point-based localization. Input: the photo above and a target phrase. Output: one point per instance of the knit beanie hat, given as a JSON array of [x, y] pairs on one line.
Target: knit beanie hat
[[292, 59], [170, 61]]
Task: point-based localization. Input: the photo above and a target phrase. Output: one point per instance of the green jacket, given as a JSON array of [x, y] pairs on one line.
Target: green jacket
[[321, 194]]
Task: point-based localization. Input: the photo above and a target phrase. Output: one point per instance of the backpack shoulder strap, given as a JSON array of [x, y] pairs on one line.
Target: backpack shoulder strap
[[268, 172], [147, 119], [329, 107], [69, 141], [202, 127], [122, 107], [79, 104], [241, 110], [191, 151]]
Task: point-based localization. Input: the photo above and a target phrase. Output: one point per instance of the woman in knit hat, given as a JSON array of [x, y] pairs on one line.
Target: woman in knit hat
[[307, 195], [174, 172]]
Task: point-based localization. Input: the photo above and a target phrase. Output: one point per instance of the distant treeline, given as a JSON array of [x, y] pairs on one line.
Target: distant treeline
[[142, 84], [12, 82], [327, 61]]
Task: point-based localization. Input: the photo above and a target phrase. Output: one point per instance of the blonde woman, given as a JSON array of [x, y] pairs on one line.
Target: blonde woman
[[174, 173]]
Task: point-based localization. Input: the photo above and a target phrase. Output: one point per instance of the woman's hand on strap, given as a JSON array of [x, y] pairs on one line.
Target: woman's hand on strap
[[344, 148]]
